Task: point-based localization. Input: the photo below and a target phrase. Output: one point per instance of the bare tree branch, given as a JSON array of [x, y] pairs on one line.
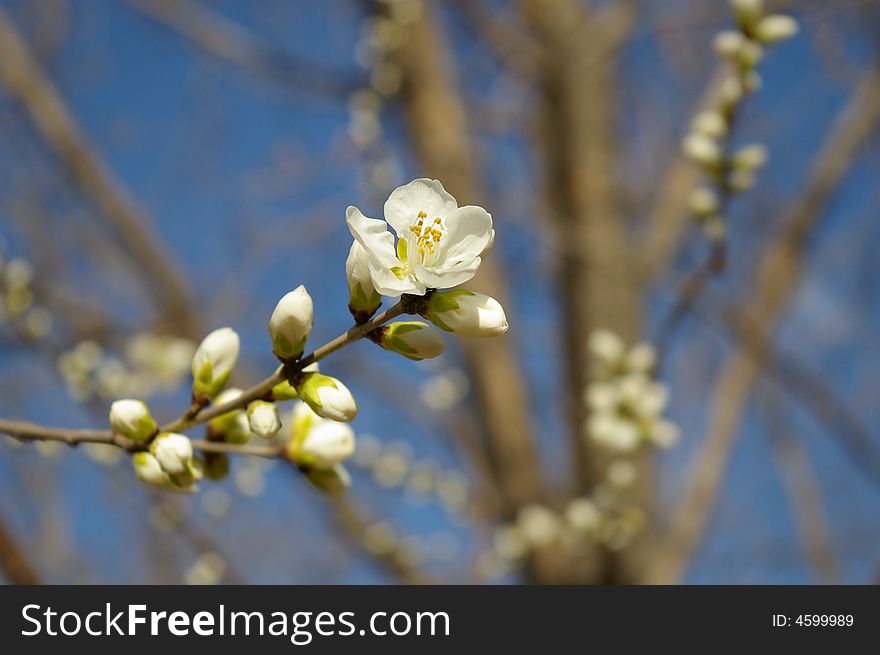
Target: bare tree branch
[[776, 276]]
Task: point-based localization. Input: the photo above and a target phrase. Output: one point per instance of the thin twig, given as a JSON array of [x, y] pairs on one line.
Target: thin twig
[[31, 431]]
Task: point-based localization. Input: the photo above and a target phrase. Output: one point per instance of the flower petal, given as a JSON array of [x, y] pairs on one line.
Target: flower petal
[[404, 204], [448, 277], [373, 235], [388, 283], [468, 231]]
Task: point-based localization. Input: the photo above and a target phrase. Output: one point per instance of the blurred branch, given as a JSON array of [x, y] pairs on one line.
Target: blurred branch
[[21, 76], [435, 116], [230, 42], [13, 561], [804, 495], [578, 135], [351, 520], [777, 274]]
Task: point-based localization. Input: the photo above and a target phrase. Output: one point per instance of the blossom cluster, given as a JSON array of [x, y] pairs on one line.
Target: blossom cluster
[[148, 363], [625, 403], [731, 171], [438, 246], [383, 34], [17, 297]]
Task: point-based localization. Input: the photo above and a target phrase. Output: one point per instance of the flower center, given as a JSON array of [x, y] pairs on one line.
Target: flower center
[[427, 235]]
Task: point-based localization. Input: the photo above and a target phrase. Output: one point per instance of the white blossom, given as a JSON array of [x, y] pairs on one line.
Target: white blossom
[[438, 243], [291, 324]]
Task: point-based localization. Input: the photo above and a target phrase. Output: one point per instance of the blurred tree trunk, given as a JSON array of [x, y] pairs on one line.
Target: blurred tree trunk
[[577, 133]]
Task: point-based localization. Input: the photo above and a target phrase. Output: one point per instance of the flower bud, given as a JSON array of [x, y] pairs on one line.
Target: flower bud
[[750, 54], [317, 442], [332, 481], [750, 157], [363, 299], [702, 150], [773, 29], [606, 345], [263, 419], [703, 202], [231, 427], [327, 396], [132, 419], [213, 362], [711, 124], [412, 339], [728, 43], [173, 452], [466, 313], [747, 11], [147, 469], [291, 324], [583, 515]]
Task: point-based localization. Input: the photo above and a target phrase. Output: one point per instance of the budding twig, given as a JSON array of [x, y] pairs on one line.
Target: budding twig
[[28, 431]]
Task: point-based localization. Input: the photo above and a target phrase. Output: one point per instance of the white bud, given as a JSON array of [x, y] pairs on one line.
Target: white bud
[[750, 157], [263, 419], [606, 345], [132, 419], [602, 397], [711, 124], [731, 91], [641, 358], [466, 313], [663, 434], [214, 360], [173, 452], [539, 525], [747, 11], [147, 469], [776, 28], [412, 339], [231, 427], [728, 43], [327, 397], [613, 432], [318, 442], [331, 480], [583, 515], [702, 149], [750, 53], [363, 299], [291, 324], [703, 202]]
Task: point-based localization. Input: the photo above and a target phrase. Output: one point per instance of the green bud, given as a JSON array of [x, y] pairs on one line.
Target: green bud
[[412, 339]]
